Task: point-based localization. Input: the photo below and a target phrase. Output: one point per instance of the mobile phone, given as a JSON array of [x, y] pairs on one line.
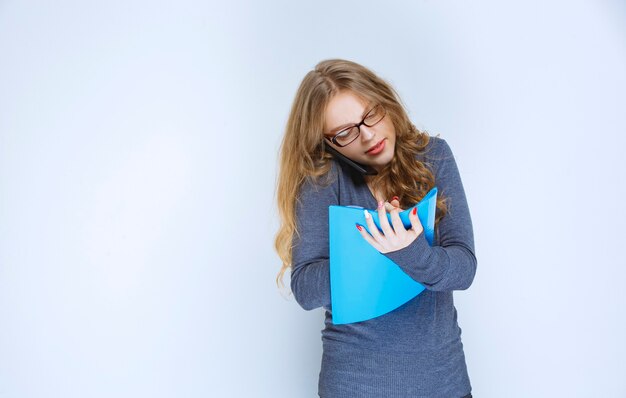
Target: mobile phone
[[361, 168]]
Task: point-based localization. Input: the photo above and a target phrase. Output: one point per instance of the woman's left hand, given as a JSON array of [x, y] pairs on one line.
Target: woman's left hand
[[394, 236]]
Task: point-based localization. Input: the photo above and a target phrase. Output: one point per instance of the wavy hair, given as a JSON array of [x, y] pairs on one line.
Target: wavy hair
[[302, 153]]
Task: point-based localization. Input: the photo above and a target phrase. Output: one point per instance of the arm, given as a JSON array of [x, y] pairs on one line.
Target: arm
[[452, 264], [310, 274]]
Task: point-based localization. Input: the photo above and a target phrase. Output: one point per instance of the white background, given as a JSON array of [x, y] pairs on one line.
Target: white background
[[138, 156]]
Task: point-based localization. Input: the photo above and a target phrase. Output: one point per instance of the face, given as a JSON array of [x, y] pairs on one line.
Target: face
[[375, 145]]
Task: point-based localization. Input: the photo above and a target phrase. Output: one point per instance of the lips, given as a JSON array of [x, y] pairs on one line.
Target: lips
[[376, 148]]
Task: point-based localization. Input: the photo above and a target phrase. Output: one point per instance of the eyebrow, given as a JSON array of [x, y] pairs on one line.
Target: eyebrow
[[336, 129]]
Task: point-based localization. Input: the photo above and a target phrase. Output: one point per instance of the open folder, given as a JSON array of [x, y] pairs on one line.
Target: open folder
[[364, 283]]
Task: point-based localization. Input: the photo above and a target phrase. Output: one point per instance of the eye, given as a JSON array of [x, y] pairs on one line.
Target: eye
[[374, 116], [343, 133], [373, 113]]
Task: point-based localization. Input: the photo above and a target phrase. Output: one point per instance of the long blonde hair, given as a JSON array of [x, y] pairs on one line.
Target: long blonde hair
[[302, 155]]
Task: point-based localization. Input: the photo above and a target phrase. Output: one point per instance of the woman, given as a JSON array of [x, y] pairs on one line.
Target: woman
[[416, 349]]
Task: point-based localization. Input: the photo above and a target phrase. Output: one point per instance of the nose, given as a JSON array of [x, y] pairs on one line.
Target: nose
[[366, 133]]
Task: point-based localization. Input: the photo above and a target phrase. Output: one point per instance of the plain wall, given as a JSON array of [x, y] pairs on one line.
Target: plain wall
[[138, 158]]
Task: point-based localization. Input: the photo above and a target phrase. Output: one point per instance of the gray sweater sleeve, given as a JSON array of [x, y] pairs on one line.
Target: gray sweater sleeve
[[310, 273], [451, 265]]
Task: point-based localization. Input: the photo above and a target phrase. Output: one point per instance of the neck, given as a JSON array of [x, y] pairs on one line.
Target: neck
[[369, 178]]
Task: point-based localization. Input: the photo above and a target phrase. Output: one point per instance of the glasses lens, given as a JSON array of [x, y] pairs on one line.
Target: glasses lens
[[375, 116], [347, 136]]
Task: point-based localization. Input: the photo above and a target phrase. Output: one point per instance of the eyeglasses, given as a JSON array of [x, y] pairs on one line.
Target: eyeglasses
[[351, 133]]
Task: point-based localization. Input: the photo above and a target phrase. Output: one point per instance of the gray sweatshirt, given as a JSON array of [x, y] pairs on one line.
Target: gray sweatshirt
[[416, 349]]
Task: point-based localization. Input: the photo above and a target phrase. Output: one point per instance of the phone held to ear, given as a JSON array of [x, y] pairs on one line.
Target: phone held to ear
[[361, 168]]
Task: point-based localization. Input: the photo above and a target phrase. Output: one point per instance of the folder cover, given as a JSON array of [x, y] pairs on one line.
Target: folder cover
[[364, 283]]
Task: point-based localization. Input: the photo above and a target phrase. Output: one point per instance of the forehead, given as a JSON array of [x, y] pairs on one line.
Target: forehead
[[344, 108]]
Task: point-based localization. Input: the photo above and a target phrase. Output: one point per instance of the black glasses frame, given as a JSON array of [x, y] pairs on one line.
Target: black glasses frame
[[333, 139]]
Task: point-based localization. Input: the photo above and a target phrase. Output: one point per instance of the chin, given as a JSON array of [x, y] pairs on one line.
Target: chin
[[385, 159], [380, 163]]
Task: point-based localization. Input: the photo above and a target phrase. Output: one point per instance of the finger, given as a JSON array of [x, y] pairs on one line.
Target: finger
[[397, 222], [396, 204], [372, 227], [416, 224], [368, 238], [383, 221], [389, 206], [395, 201]]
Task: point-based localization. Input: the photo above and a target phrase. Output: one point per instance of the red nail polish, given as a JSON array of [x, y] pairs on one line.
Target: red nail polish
[[414, 210], [359, 227]]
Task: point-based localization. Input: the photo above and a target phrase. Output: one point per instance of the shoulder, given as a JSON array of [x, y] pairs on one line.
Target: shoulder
[[436, 153], [437, 148], [324, 184]]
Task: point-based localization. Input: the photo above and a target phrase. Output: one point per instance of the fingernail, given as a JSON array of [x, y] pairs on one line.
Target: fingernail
[[359, 227], [395, 198], [380, 204], [414, 210], [367, 214]]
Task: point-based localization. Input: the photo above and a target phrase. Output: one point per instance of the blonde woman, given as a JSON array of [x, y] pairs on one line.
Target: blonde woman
[[349, 141]]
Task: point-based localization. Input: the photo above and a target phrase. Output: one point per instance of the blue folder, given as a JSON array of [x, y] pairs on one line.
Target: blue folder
[[364, 283]]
